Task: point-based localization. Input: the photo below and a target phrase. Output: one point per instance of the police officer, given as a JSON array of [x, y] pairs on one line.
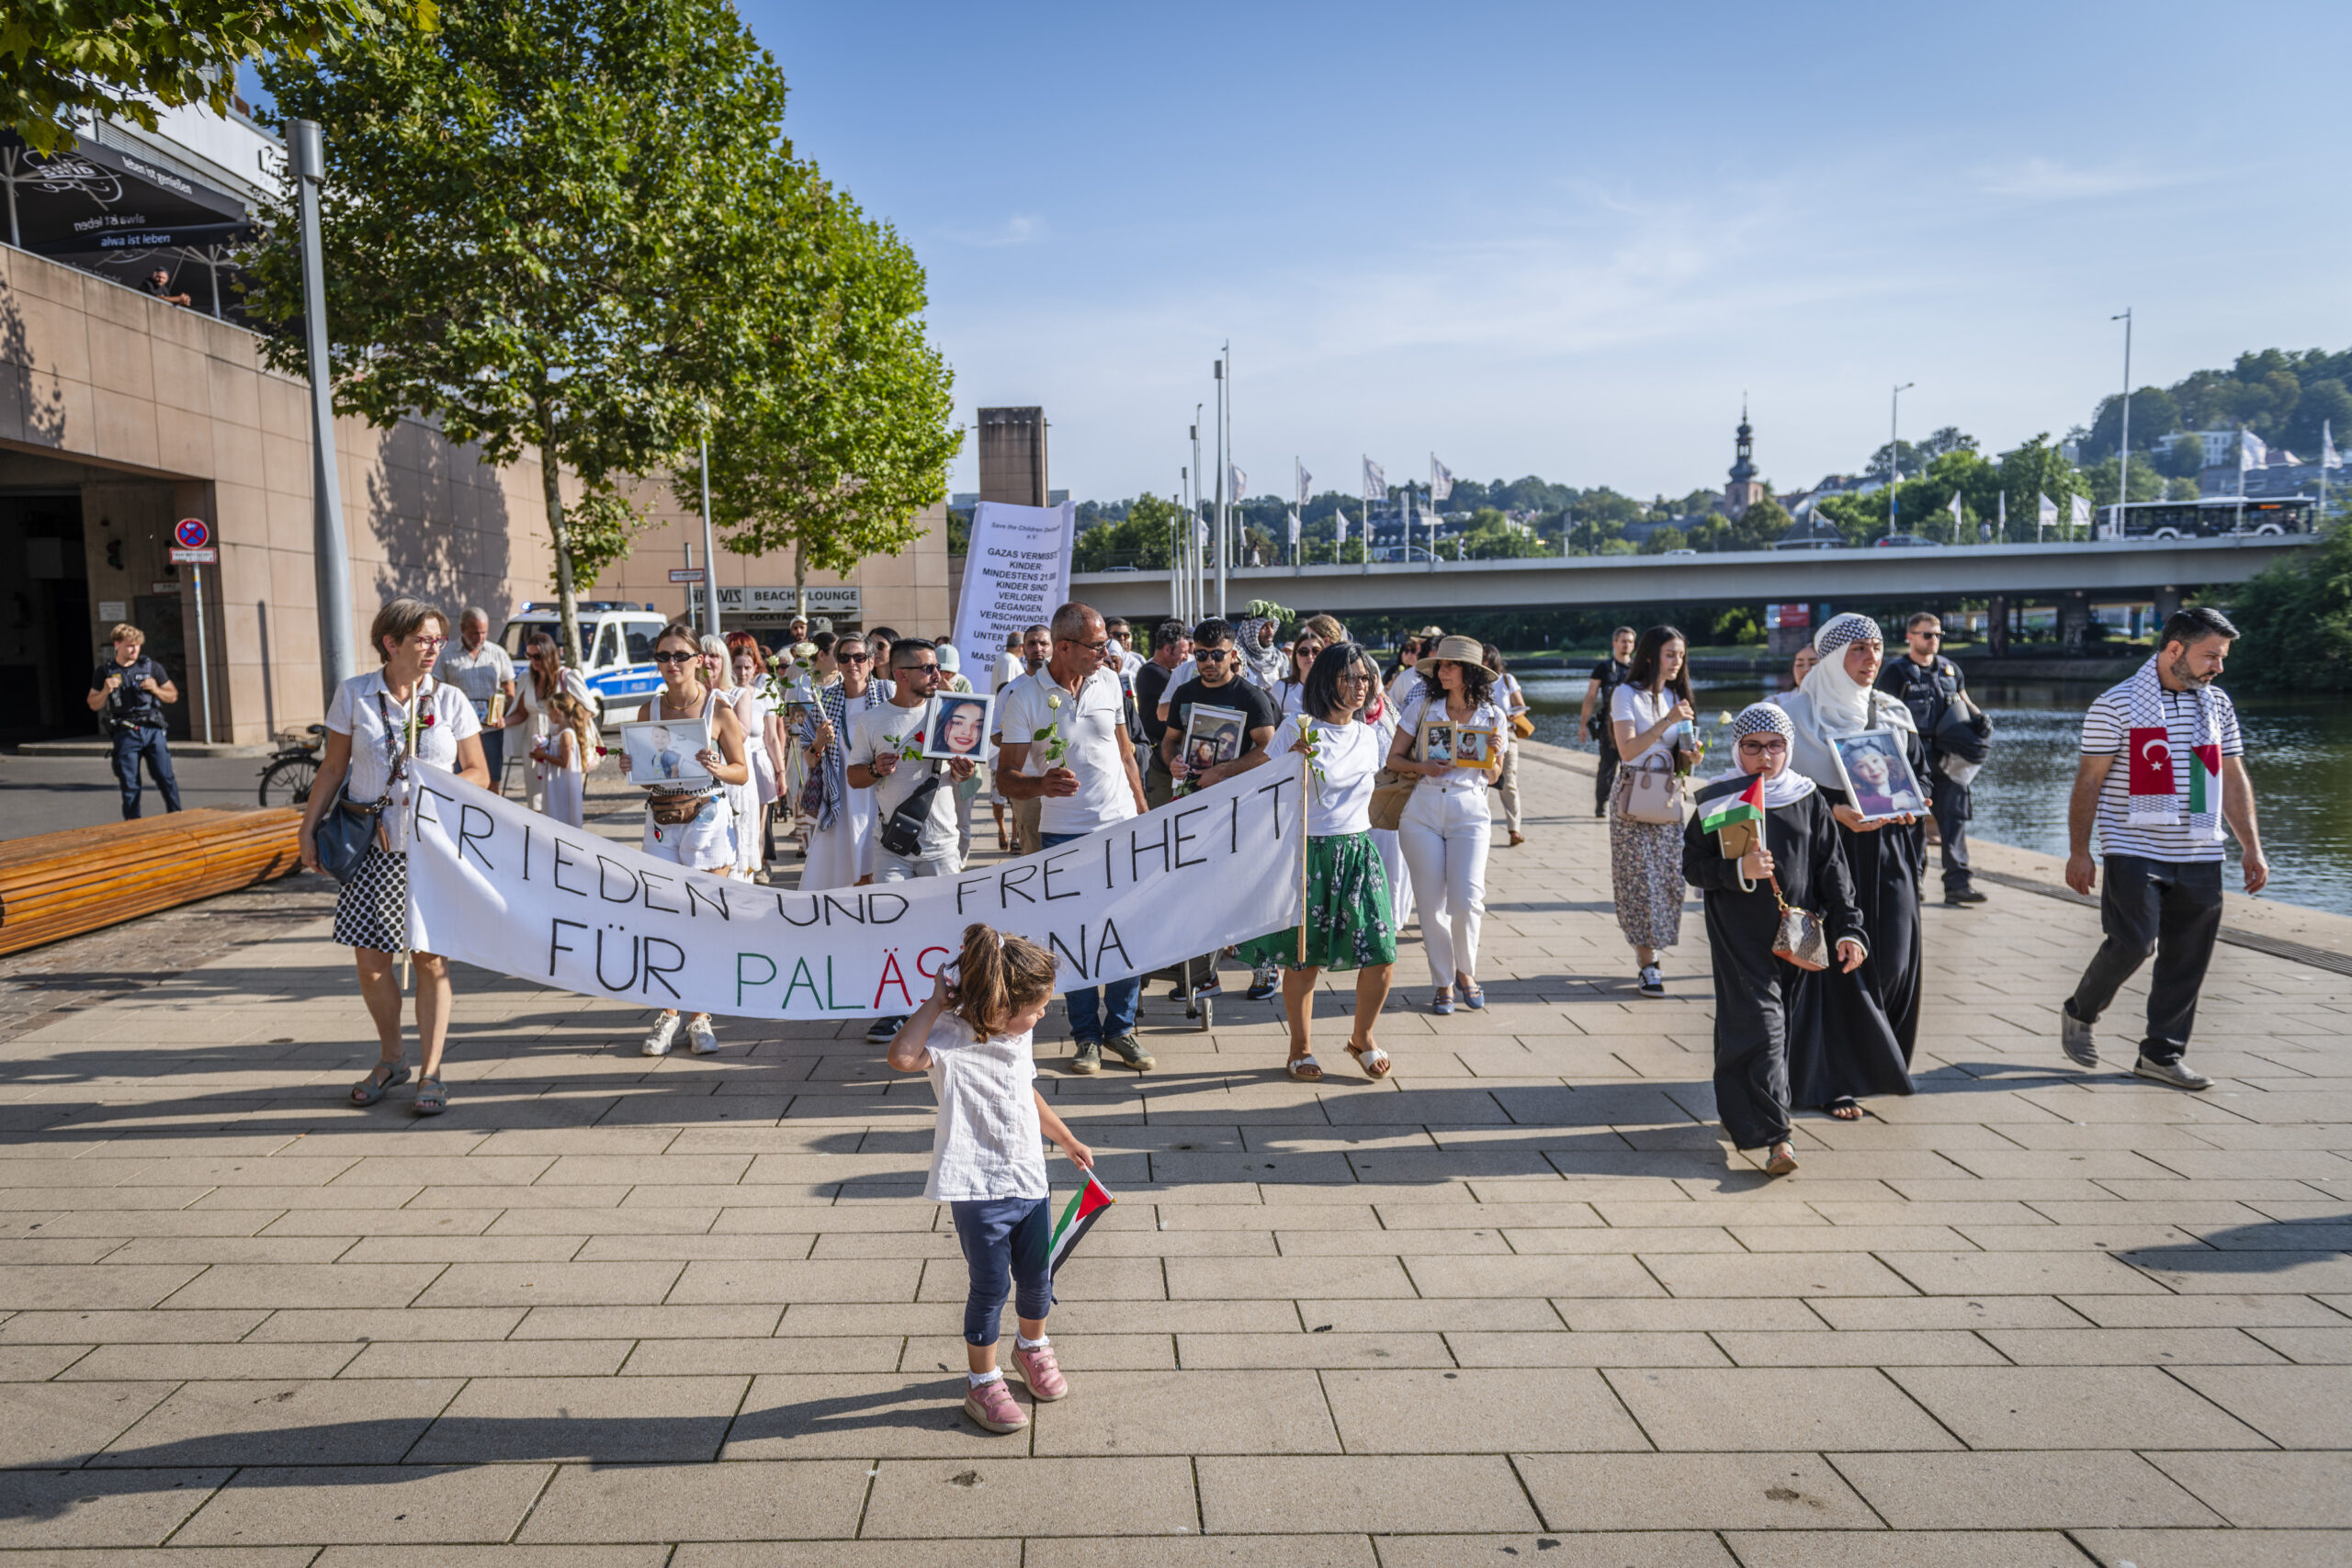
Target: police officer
[[1928, 683], [1607, 676], [131, 689]]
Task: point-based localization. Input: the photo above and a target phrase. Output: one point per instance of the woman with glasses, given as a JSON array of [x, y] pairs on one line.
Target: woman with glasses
[[842, 825], [379, 727], [1314, 634], [1765, 1007], [1447, 823], [695, 828], [1347, 918], [548, 676]]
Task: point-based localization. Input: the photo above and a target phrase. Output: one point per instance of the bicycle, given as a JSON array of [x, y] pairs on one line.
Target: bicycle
[[287, 777]]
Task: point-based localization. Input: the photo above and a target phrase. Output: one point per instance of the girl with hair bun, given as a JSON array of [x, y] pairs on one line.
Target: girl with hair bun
[[987, 1165]]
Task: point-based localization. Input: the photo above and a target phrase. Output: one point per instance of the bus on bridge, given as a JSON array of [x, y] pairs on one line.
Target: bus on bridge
[[2208, 517]]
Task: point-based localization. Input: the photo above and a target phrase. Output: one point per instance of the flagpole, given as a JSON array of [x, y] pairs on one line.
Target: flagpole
[[1305, 768], [2123, 448]]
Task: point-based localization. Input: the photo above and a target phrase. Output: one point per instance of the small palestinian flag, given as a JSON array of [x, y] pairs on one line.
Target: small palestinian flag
[[2205, 782], [1747, 805], [1086, 1205]]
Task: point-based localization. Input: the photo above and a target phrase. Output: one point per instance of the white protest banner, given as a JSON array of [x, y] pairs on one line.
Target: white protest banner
[[506, 888], [1016, 574]]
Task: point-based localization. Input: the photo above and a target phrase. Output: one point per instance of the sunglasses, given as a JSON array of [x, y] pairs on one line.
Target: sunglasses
[[661, 658], [1213, 655], [853, 659], [918, 669]]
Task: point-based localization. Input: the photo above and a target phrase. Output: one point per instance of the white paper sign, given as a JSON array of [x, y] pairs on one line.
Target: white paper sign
[[514, 892], [1016, 574]]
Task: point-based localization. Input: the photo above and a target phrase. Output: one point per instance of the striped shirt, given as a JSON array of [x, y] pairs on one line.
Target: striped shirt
[[2106, 732]]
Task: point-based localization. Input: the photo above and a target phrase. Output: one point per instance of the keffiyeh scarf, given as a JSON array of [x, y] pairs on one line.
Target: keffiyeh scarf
[[2157, 798], [1786, 787], [827, 791]]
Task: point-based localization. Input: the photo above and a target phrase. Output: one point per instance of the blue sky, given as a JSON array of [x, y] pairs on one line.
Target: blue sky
[[1563, 239]]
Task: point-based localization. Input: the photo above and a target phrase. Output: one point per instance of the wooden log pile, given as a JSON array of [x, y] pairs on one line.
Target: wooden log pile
[[60, 884]]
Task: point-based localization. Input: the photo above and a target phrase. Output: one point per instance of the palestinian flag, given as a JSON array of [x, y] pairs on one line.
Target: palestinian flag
[[2205, 781], [1086, 1205], [1746, 806]]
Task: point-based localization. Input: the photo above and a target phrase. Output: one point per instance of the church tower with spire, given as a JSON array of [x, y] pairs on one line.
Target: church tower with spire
[[1744, 490]]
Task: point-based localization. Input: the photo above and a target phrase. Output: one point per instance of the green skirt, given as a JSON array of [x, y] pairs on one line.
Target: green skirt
[[1349, 924]]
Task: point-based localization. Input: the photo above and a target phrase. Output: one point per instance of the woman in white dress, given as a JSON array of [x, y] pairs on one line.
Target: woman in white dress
[[762, 743], [702, 835], [378, 727], [841, 845]]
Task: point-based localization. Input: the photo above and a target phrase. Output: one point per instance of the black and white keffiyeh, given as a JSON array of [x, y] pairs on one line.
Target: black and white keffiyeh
[[1786, 787]]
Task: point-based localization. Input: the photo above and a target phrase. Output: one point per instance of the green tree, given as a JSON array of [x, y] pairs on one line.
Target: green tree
[[2099, 481], [59, 58], [2295, 622], [2039, 468], [841, 435], [544, 225], [1146, 537], [1663, 538]]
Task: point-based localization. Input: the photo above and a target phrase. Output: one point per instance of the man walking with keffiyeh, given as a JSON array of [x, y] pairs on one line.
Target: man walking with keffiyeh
[[2160, 820]]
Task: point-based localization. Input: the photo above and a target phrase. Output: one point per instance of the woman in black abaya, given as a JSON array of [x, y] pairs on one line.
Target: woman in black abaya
[[1886, 857], [1769, 1012]]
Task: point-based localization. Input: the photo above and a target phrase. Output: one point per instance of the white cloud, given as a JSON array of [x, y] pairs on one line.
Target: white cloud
[[2048, 179], [1021, 228]]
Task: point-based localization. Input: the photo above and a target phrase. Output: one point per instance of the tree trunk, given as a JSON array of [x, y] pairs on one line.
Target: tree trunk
[[800, 580], [551, 482]]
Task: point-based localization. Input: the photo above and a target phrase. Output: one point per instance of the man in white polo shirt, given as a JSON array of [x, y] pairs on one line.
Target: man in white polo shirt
[[2160, 817], [1094, 784], [485, 673]]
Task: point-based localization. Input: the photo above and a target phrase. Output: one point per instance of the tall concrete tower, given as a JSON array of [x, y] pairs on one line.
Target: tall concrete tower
[[1012, 455]]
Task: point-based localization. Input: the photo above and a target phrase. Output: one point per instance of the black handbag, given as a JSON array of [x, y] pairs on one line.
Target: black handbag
[[347, 830], [902, 834]]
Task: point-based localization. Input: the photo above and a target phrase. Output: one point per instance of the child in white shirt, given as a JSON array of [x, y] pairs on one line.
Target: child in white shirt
[[987, 1159]]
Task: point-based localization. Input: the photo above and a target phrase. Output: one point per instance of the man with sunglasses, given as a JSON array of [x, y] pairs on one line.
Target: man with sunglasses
[[1076, 700], [1220, 684], [1928, 683]]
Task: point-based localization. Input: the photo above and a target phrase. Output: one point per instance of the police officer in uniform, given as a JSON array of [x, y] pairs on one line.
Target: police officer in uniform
[[1927, 683], [1607, 676]]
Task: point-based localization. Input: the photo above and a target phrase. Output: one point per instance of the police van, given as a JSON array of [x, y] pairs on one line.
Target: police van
[[616, 648]]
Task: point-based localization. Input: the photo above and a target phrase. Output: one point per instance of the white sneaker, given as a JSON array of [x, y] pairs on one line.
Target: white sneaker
[[700, 1038], [658, 1039]]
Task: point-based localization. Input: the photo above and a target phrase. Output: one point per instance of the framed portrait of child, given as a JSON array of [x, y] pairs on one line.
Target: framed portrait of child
[[664, 753], [1475, 748], [959, 727], [1879, 779]]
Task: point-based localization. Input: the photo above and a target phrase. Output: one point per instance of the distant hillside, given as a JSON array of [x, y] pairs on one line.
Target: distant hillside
[[2282, 396]]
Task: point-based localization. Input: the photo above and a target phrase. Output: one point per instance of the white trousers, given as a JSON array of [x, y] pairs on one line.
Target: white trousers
[[889, 867], [1443, 835], [1401, 882]]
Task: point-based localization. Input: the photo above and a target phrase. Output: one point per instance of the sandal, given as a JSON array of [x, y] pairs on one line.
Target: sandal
[[1305, 1070], [379, 1082], [1844, 1107], [1372, 1059], [1782, 1163], [431, 1098], [1517, 839], [1443, 1001], [1472, 997]]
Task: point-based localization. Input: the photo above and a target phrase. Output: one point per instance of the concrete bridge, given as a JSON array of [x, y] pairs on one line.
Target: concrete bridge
[[2153, 569]]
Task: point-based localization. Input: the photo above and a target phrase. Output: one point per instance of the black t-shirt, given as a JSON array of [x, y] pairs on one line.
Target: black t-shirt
[[1247, 696], [130, 704], [1611, 673], [1151, 681]]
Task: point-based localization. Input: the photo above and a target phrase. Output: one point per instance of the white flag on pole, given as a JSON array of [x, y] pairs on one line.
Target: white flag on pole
[[2079, 512], [2327, 458], [2003, 525], [1304, 480], [1339, 534], [1240, 480], [1375, 483], [1441, 480], [1293, 527], [2047, 514], [1955, 509], [2252, 452]]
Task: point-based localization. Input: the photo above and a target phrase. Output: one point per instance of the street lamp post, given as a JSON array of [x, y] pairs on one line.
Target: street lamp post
[[1894, 449], [2122, 447]]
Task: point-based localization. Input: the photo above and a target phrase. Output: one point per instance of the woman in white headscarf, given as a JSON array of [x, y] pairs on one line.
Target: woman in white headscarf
[[1887, 856]]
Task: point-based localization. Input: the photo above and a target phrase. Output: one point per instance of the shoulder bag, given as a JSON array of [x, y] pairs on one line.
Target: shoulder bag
[[1651, 793], [347, 830], [1390, 792], [1800, 938], [902, 834]]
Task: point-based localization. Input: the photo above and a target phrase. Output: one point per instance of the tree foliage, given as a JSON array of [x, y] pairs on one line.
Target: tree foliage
[[541, 227], [2295, 622], [60, 58], [1146, 536], [2282, 395]]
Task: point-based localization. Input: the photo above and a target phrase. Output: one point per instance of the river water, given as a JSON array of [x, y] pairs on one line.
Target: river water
[[2298, 752]]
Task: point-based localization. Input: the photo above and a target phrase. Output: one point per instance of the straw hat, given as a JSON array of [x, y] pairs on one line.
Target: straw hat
[[1462, 650]]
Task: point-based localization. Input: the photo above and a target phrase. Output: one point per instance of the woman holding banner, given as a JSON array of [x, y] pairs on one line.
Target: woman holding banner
[[378, 727], [695, 830]]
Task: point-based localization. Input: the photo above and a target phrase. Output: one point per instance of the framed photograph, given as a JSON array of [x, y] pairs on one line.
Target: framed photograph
[[1879, 779], [1437, 741], [1212, 735], [661, 752], [959, 727], [1475, 748]]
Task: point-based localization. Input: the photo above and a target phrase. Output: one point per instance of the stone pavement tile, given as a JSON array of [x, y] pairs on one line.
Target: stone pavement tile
[[600, 1420], [262, 1423], [66, 1423], [1471, 1493], [649, 1555], [1777, 1274], [743, 1280], [1188, 1413], [1363, 1242], [1220, 1279], [769, 1247], [1015, 1496], [2236, 1271], [1758, 1409], [324, 1198], [170, 1556], [39, 1363], [65, 1287], [1599, 1348], [1001, 1552], [129, 1328], [1441, 1314], [1547, 1215], [2218, 1549], [2018, 1490], [1236, 1351], [1662, 1549], [679, 1222], [1470, 1412], [2112, 1237], [465, 1250], [379, 1222], [324, 1325], [1699, 1314], [1859, 1347], [113, 1509], [1200, 1551], [2072, 1407], [491, 1359], [833, 1416], [420, 1168], [648, 1322], [1601, 1239], [1092, 1277], [372, 1504], [1685, 1491], [2296, 1407], [307, 1285], [2212, 1311], [2313, 1347], [1848, 1238], [2017, 1273], [550, 1284], [2124, 1347], [751, 1357], [2299, 1491], [1554, 1274], [1905, 1548], [1079, 1352], [181, 1362]]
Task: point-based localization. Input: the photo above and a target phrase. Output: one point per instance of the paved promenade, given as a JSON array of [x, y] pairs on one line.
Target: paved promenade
[[1516, 1304]]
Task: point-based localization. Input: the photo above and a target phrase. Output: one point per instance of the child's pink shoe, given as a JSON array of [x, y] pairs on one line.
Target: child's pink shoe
[[993, 1408], [1041, 1372]]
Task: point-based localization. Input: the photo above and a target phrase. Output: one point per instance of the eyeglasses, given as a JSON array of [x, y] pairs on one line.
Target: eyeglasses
[[853, 659], [430, 641], [1095, 647], [661, 658], [1357, 679], [1762, 747]]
